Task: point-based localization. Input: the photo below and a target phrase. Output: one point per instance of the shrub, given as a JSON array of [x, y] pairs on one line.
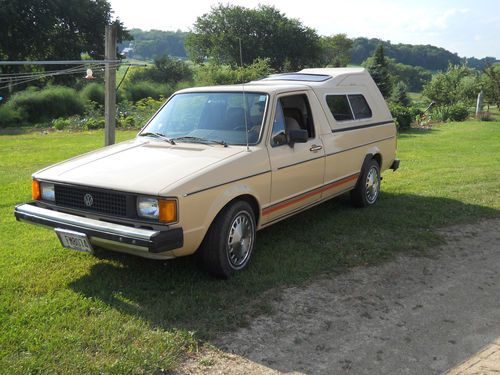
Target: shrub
[[214, 74], [126, 122], [458, 112], [453, 112], [94, 92], [136, 115], [61, 123], [94, 123], [47, 104], [9, 116], [165, 70], [140, 90], [403, 116]]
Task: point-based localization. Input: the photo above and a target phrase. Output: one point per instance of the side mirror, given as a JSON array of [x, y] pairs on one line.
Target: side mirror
[[297, 136]]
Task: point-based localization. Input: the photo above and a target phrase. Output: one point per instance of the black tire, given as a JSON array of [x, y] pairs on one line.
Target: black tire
[[367, 189], [225, 250]]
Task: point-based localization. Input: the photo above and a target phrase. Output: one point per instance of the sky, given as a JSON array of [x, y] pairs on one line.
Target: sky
[[467, 27]]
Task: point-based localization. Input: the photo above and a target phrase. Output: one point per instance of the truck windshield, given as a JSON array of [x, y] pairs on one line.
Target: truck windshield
[[204, 117]]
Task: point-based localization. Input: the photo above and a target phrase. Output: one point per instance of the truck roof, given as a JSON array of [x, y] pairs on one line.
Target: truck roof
[[306, 78]]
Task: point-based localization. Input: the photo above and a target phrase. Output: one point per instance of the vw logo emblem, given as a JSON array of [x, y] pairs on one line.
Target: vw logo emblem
[[88, 200]]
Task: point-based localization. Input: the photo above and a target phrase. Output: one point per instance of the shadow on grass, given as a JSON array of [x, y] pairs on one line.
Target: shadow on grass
[[415, 132], [327, 239]]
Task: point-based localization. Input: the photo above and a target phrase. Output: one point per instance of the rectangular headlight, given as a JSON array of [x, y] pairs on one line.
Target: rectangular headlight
[[164, 210], [148, 207], [47, 191]]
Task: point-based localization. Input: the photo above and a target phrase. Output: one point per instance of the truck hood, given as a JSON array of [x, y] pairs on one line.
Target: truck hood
[[140, 166]]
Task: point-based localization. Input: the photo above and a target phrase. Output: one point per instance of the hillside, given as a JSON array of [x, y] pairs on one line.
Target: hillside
[[155, 43], [426, 56]]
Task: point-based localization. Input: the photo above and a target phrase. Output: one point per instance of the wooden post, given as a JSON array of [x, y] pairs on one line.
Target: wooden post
[[110, 85]]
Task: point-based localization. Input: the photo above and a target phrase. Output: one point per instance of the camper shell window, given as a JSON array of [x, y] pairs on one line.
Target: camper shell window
[[348, 107]]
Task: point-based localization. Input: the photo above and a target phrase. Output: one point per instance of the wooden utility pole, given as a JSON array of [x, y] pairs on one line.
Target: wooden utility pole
[[110, 85]]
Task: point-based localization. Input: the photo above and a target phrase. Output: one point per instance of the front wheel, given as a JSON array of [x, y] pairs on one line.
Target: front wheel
[[367, 189], [229, 243]]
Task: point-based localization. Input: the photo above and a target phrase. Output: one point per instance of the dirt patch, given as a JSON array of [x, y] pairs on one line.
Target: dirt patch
[[414, 315]]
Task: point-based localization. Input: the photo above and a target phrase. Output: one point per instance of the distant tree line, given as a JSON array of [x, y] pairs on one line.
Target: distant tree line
[[426, 56], [334, 50], [148, 45]]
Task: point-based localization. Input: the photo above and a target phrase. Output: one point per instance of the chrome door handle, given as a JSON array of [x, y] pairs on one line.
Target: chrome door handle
[[315, 148]]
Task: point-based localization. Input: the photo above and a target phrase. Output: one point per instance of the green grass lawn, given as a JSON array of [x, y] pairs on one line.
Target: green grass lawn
[[66, 312]]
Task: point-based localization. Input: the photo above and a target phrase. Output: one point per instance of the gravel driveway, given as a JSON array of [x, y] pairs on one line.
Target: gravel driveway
[[414, 315]]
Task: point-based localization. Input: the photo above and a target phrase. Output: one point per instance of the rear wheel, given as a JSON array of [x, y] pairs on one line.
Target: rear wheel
[[229, 243], [367, 189]]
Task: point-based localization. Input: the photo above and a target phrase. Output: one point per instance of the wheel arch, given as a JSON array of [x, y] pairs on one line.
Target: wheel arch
[[372, 154], [246, 196]]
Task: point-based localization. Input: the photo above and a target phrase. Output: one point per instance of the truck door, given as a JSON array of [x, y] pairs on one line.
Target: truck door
[[298, 170]]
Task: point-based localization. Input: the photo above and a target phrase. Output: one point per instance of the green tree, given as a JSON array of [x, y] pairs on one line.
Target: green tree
[[55, 29], [380, 72], [491, 84], [414, 77], [426, 56], [399, 94], [211, 73], [156, 43], [165, 70], [458, 84], [264, 32], [335, 50]]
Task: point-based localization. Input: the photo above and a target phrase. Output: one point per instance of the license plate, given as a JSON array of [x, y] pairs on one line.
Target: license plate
[[74, 240]]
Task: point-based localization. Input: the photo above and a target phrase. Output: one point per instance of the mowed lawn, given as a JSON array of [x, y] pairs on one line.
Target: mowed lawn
[[67, 312]]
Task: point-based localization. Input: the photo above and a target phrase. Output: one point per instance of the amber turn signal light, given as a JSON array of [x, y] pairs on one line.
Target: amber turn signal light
[[35, 190], [168, 210]]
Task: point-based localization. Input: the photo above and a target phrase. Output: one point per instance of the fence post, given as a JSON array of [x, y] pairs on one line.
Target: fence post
[[479, 104]]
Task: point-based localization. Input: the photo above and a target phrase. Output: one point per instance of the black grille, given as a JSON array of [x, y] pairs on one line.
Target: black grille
[[91, 200]]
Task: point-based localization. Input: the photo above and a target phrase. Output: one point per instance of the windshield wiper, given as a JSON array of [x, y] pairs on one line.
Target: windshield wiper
[[200, 140], [158, 135]]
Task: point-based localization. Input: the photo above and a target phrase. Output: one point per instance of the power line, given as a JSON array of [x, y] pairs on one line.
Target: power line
[[15, 79], [60, 62]]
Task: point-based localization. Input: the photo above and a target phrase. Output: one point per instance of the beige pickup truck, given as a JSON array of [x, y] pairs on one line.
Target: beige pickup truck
[[216, 164]]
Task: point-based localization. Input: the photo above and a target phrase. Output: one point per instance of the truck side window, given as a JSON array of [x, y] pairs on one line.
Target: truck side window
[[348, 107], [339, 106], [360, 107], [292, 112], [278, 136]]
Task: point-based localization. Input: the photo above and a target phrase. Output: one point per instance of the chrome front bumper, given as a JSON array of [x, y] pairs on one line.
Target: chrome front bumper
[[103, 233]]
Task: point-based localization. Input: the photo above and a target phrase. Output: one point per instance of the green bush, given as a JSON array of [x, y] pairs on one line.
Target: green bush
[[136, 115], [141, 90], [61, 123], [126, 122], [165, 70], [458, 112], [44, 105], [453, 112], [403, 116], [94, 123], [94, 92], [214, 74], [9, 116]]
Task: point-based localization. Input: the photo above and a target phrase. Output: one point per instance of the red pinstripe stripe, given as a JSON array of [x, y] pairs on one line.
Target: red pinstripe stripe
[[300, 198]]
